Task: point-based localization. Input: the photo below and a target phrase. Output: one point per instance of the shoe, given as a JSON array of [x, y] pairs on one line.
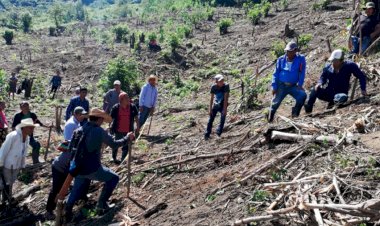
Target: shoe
[[207, 136], [330, 105], [68, 217], [117, 162], [103, 208]]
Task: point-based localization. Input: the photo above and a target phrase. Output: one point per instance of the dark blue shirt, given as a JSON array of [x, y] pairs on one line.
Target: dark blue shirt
[[340, 82], [56, 81], [289, 72], [75, 102]]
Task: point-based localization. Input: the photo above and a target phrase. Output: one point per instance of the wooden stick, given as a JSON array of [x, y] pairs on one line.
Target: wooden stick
[[336, 186], [48, 142], [277, 135], [262, 218], [129, 168], [150, 123], [317, 213], [371, 46]]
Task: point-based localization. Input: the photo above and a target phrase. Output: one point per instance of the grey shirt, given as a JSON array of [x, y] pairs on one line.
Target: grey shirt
[[110, 99]]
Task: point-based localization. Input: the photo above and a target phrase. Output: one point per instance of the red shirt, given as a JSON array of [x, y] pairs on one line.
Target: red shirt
[[124, 120]]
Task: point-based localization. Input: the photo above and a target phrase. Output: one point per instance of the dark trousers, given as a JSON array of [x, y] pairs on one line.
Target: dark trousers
[[54, 90], [214, 112], [36, 146], [119, 136], [58, 180], [324, 95]]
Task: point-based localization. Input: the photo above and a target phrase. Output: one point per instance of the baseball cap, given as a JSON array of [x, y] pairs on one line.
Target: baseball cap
[[80, 110], [291, 46], [116, 82], [370, 5], [218, 77], [336, 55]]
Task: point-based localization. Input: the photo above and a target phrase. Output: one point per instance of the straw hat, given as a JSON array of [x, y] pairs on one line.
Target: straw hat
[[152, 77], [27, 123], [101, 114]]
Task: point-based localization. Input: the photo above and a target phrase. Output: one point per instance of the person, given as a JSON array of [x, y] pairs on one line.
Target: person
[[334, 83], [77, 92], [55, 82], [368, 27], [148, 99], [288, 78], [12, 155], [61, 164], [3, 123], [91, 168], [123, 115], [24, 114], [153, 46], [12, 85], [218, 103], [78, 101], [112, 96]]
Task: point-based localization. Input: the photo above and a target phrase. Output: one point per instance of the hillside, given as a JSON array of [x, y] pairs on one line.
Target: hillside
[[218, 181]]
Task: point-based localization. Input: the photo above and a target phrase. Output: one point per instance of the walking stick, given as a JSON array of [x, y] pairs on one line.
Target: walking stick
[[150, 123], [48, 142], [129, 168], [60, 197]]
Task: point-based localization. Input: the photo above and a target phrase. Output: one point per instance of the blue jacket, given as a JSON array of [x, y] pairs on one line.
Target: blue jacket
[[75, 102], [294, 75], [340, 82]]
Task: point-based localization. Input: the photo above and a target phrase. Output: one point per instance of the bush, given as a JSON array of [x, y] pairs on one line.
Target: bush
[[80, 11], [152, 36], [224, 24], [284, 4], [26, 22], [52, 31], [3, 77], [174, 41], [210, 14], [265, 7], [277, 49], [304, 40], [254, 15], [124, 71], [8, 37], [184, 31], [57, 14], [120, 32]]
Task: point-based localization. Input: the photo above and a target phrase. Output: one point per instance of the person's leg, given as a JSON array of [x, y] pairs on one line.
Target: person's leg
[[355, 44], [340, 98], [300, 96], [214, 111], [124, 149], [219, 131], [35, 149], [366, 41], [58, 180], [76, 193], [321, 94], [282, 91], [143, 116], [116, 150]]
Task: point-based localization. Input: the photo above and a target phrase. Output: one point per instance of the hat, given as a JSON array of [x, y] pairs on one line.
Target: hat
[[117, 82], [370, 5], [26, 123], [80, 110], [23, 103], [336, 55], [291, 46], [152, 77], [218, 77], [100, 114]]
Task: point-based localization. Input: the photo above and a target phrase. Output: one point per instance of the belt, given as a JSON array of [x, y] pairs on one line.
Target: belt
[[289, 84]]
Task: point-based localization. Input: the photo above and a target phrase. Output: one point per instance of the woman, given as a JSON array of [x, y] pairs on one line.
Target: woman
[[3, 123]]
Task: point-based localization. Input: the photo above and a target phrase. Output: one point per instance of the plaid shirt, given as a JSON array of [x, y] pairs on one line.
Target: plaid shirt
[[56, 81], [75, 102]]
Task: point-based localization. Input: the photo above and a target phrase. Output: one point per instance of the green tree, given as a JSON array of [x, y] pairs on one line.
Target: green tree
[[120, 32], [57, 14], [26, 22], [126, 71], [3, 88], [80, 11], [224, 24], [174, 41], [8, 37]]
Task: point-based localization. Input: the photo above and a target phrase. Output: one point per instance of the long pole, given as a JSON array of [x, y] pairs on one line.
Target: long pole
[[129, 168], [48, 142]]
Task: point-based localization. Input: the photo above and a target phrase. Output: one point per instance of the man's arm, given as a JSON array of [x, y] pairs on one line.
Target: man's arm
[[323, 79], [225, 103], [4, 150], [111, 142], [211, 103], [69, 110], [142, 96], [361, 76], [302, 72], [15, 122], [275, 77]]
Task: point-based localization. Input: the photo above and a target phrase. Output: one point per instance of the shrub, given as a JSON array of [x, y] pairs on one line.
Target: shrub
[[126, 71], [224, 24], [152, 36], [277, 49], [304, 40], [3, 77], [8, 37], [325, 3], [265, 7], [284, 4], [52, 31], [80, 11], [26, 22], [184, 31], [57, 13], [254, 15], [210, 14], [120, 32], [174, 41]]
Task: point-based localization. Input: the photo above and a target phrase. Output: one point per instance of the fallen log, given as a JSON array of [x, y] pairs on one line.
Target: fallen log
[[262, 218], [26, 192], [149, 212], [276, 135]]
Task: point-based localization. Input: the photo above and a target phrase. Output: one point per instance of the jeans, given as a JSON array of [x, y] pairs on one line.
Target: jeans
[[356, 43], [58, 180], [36, 146], [283, 90], [103, 174], [143, 116], [119, 136], [214, 112], [324, 95]]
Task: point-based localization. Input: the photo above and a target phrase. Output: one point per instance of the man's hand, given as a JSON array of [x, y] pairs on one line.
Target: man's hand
[[137, 130], [224, 112], [274, 92], [141, 109], [364, 93], [131, 136], [317, 86]]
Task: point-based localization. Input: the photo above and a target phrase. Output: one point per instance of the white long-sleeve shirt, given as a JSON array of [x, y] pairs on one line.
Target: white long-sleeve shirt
[[13, 151]]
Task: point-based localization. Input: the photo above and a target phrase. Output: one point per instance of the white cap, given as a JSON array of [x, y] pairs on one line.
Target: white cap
[[218, 77], [336, 55], [116, 82]]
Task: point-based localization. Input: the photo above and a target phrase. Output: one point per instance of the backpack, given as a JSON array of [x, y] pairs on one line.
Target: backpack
[[78, 149]]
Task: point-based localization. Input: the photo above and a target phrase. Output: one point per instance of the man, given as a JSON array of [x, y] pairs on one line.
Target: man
[[218, 103], [367, 27], [12, 85], [25, 114], [3, 123], [288, 78], [112, 96], [61, 164], [148, 99], [122, 115], [12, 155], [78, 101], [91, 168], [55, 82], [334, 83]]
